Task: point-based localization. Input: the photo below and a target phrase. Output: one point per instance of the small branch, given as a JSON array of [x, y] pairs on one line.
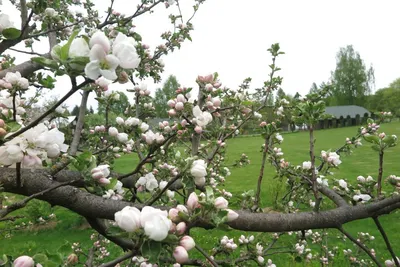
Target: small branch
[[366, 250], [156, 197], [26, 52], [79, 124], [13, 218], [387, 242], [89, 262], [53, 30], [213, 263], [14, 107], [118, 260], [380, 174], [22, 203], [48, 112], [261, 175], [101, 228]]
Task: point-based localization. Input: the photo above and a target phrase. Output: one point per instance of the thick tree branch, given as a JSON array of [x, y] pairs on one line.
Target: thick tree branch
[[89, 205]]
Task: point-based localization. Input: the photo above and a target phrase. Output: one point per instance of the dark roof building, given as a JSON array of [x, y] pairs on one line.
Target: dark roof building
[[344, 111]]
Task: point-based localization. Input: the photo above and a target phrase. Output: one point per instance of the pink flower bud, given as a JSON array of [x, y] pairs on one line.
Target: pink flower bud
[[97, 175], [2, 123], [216, 102], [263, 124], [193, 201], [104, 181], [217, 85], [187, 242], [184, 123], [2, 132], [179, 106], [382, 135], [181, 98], [198, 129], [221, 203], [72, 259], [173, 215], [232, 215], [102, 128], [171, 103], [24, 261], [171, 112], [180, 254], [181, 228]]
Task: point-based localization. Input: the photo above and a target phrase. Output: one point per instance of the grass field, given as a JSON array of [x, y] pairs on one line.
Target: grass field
[[364, 161]]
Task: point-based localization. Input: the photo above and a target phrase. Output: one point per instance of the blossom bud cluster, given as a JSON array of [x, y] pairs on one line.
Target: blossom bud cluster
[[176, 105], [246, 240], [331, 158], [228, 244], [14, 80], [7, 103]]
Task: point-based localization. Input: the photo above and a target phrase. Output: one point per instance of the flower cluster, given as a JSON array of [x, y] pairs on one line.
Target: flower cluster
[[199, 172], [147, 182], [154, 222], [331, 158], [14, 80], [33, 146]]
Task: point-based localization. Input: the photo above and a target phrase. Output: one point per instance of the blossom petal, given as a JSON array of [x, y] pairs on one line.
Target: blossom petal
[[97, 53], [92, 69], [109, 74], [99, 38]]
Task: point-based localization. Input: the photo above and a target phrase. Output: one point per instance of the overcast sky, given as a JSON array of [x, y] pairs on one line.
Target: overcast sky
[[231, 37]]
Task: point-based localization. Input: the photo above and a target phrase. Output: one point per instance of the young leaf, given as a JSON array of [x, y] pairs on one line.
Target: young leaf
[[11, 33]]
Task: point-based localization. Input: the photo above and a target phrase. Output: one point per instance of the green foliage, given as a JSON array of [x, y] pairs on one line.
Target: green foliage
[[11, 33], [116, 107], [386, 99], [352, 81], [163, 95]]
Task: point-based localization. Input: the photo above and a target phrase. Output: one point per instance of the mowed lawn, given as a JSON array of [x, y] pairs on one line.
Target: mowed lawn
[[363, 161]]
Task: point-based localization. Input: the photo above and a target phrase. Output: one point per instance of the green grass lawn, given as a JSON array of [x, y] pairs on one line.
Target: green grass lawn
[[364, 161]]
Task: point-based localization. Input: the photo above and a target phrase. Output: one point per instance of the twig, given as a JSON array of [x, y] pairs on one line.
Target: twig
[[380, 173], [118, 260], [48, 112], [387, 242], [213, 263], [13, 218], [26, 52], [360, 245], [90, 258], [261, 175], [22, 203], [156, 197]]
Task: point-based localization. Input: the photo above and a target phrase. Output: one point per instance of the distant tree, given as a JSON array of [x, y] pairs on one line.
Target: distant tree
[[91, 111], [352, 81], [386, 99], [280, 94], [163, 95], [75, 111], [118, 107]]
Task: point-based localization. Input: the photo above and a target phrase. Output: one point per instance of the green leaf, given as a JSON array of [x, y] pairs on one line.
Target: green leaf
[[151, 250], [173, 239], [372, 139], [46, 62], [209, 193], [56, 257], [112, 184], [40, 258], [11, 33], [13, 126], [64, 53]]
